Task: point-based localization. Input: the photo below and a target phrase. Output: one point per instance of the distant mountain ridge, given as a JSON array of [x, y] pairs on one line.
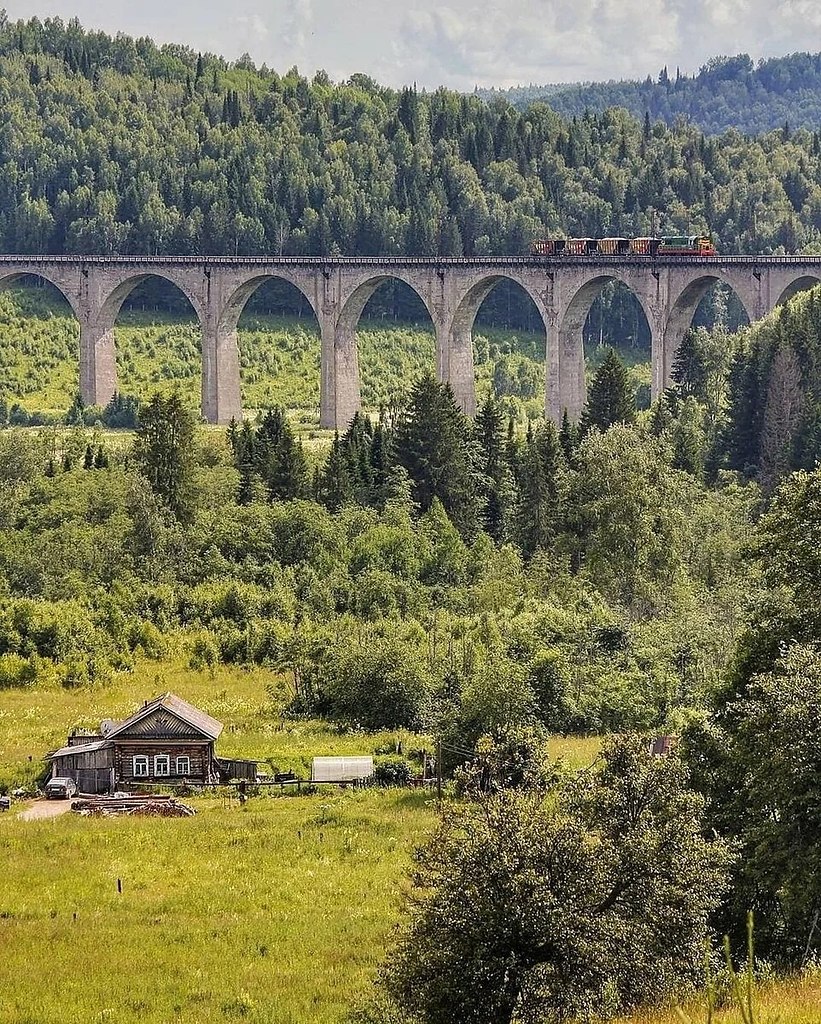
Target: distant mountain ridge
[[728, 92]]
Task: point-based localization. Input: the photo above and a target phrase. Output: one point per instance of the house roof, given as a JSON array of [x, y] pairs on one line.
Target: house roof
[[80, 748], [179, 708]]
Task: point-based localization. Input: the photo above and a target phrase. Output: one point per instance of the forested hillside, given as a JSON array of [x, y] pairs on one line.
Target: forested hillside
[[727, 92], [117, 145]]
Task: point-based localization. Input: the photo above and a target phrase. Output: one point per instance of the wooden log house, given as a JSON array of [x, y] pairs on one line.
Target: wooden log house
[[167, 742]]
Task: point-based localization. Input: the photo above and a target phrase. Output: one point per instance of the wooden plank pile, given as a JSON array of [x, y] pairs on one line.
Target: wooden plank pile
[[137, 806]]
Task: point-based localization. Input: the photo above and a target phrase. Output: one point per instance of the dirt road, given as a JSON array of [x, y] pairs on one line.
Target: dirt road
[[42, 809]]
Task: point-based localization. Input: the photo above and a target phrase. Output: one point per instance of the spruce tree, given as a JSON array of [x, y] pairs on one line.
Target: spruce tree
[[164, 452], [335, 488], [495, 481], [689, 368], [433, 443], [611, 399], [540, 513]]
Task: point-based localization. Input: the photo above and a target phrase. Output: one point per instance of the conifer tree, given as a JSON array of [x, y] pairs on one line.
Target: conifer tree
[[433, 443], [164, 451], [495, 481], [610, 399], [689, 369], [539, 514], [568, 437], [335, 488]]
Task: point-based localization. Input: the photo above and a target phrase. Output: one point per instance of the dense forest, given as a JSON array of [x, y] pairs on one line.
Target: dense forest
[[117, 145], [728, 92]]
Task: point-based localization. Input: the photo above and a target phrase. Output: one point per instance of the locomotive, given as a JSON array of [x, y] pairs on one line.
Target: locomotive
[[671, 245]]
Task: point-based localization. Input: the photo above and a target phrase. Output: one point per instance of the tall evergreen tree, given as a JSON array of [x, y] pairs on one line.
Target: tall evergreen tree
[[495, 481], [164, 452], [610, 399], [433, 443], [539, 513]]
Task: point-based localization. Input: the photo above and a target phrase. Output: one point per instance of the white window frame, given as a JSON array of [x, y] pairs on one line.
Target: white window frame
[[141, 766], [162, 765], [183, 764]]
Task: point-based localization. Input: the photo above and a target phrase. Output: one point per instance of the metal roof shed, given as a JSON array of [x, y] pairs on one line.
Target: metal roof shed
[[341, 769]]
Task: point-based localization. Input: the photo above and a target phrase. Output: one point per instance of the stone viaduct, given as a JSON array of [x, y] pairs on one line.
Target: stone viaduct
[[669, 290]]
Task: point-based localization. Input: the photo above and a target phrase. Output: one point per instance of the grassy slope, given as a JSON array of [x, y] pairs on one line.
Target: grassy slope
[[278, 912], [279, 356]]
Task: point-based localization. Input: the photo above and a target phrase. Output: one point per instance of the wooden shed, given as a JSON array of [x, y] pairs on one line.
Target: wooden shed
[[166, 742]]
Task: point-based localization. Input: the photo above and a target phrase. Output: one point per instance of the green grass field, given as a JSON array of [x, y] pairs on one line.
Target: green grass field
[[275, 912]]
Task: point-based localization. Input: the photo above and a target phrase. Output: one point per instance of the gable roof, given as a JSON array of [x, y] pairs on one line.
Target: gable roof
[[176, 706]]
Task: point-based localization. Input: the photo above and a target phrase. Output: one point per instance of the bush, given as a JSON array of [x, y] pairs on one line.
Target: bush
[[392, 770], [15, 671]]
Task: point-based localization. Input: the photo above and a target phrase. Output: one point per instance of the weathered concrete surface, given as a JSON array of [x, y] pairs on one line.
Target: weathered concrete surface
[[452, 290]]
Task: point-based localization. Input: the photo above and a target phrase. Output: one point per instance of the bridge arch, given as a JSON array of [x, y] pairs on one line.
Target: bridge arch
[[41, 322], [454, 357], [800, 284], [10, 278], [98, 349], [680, 319], [232, 336], [341, 377], [571, 385]]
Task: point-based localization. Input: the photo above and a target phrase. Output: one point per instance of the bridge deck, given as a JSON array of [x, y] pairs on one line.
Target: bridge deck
[[420, 261]]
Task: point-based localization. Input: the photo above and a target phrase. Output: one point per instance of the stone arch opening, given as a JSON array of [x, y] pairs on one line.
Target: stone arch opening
[[509, 346], [695, 305], [385, 337], [276, 331], [471, 354], [582, 332], [800, 284], [150, 340], [41, 342]]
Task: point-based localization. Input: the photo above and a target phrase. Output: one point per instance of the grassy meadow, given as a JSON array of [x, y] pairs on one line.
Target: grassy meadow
[[277, 912], [280, 358]]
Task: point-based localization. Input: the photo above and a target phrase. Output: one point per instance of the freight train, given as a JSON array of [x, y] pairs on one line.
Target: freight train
[[672, 245]]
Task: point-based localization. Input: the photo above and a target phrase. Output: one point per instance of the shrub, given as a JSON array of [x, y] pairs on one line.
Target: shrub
[[392, 770]]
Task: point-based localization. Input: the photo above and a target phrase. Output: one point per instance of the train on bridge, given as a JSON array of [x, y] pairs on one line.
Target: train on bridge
[[671, 245]]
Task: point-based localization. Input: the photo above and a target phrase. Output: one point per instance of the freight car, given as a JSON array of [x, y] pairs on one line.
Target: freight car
[[671, 245]]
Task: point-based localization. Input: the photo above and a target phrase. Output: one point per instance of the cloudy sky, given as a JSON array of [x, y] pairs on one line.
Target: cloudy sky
[[461, 43]]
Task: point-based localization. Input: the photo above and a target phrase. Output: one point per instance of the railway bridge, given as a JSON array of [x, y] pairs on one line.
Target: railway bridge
[[669, 290]]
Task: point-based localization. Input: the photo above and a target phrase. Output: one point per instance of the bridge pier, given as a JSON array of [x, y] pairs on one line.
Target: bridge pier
[[454, 363], [340, 398], [221, 396], [98, 361]]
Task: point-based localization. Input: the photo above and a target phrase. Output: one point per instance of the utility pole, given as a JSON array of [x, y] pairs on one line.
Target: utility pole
[[439, 772]]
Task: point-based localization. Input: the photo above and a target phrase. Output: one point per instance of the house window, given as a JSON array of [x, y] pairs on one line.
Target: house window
[[184, 765], [162, 765], [140, 766]]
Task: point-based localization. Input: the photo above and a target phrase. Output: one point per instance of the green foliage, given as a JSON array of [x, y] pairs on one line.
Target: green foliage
[[358, 168], [392, 770], [532, 909], [164, 451], [759, 764], [433, 444], [610, 399], [727, 92]]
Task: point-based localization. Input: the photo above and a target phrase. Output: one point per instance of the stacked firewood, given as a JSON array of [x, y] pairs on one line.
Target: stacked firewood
[[142, 806]]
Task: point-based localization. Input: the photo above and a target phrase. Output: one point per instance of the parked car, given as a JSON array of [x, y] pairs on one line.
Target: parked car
[[61, 789]]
